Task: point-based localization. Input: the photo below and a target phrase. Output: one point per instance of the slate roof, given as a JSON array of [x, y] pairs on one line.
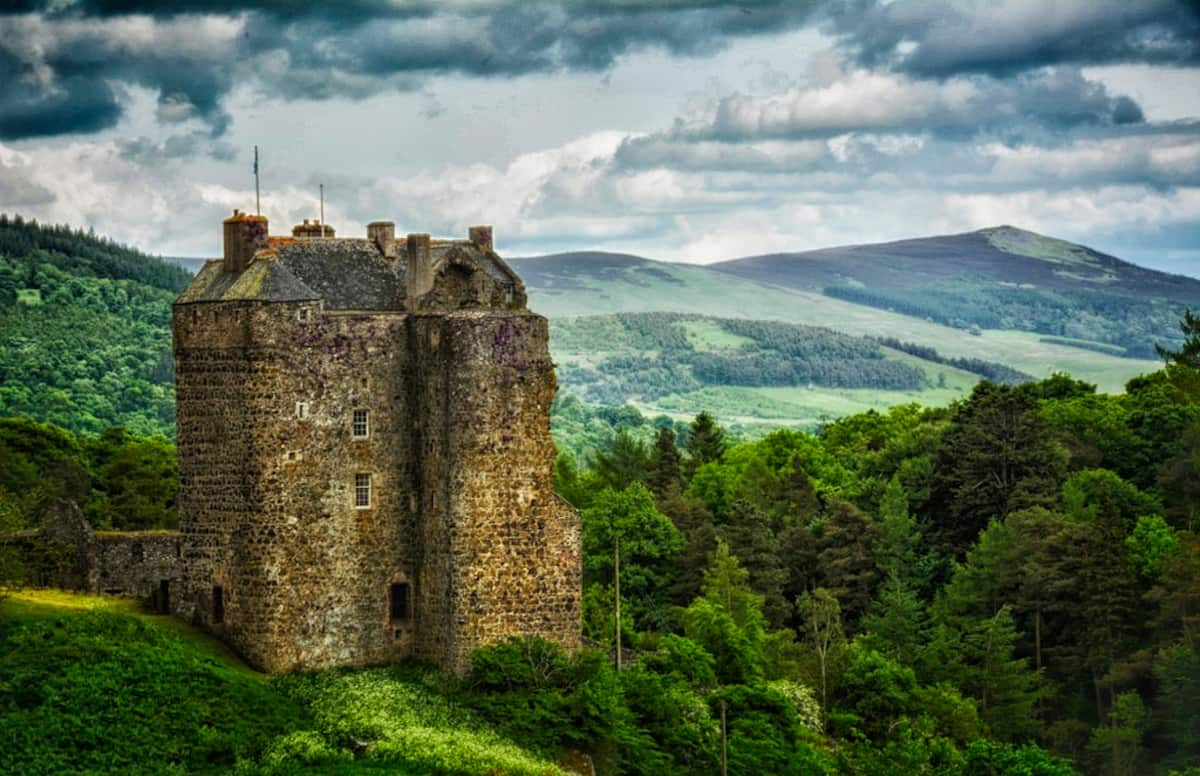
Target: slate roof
[[266, 281], [348, 273]]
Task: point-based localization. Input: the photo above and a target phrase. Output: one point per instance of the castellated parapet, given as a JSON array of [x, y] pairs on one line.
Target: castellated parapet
[[365, 455]]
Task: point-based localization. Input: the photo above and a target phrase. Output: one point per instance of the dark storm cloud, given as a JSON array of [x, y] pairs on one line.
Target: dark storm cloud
[[939, 38], [1032, 106], [77, 105], [319, 50]]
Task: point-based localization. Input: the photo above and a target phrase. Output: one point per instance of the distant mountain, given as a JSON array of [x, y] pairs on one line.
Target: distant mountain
[[998, 279], [1003, 254]]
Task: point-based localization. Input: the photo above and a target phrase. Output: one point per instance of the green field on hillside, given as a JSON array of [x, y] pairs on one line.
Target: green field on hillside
[[688, 289]]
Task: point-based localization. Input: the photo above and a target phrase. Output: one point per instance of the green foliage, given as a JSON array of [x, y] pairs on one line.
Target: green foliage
[[94, 352], [996, 458], [1129, 322], [120, 480], [87, 693], [1151, 541], [648, 356], [648, 543]]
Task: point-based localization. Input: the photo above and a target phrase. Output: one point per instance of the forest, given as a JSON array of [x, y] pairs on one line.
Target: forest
[[85, 330], [1007, 585], [1075, 317]]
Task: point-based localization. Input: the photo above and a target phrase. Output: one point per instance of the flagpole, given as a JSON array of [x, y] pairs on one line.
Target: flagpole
[[257, 201]]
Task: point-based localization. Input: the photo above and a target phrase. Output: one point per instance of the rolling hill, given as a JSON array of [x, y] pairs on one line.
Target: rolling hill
[[1033, 303]]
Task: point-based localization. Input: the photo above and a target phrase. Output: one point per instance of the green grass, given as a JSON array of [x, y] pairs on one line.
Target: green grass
[[709, 336], [91, 684]]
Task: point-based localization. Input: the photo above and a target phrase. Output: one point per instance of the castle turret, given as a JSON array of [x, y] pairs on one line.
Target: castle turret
[[244, 236], [420, 266]]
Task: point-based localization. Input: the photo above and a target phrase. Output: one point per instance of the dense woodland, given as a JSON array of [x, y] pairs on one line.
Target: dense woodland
[[85, 330], [1007, 585], [1130, 323]]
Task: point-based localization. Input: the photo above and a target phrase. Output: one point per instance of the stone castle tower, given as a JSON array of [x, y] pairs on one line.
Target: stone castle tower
[[365, 454]]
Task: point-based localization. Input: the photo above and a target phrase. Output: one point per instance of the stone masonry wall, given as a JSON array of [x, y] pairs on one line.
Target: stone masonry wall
[[145, 564], [266, 497], [501, 550], [215, 370], [459, 453]]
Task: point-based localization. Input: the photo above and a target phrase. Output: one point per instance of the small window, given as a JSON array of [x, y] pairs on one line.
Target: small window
[[399, 601], [360, 428], [218, 605], [302, 314], [362, 491], [301, 410]]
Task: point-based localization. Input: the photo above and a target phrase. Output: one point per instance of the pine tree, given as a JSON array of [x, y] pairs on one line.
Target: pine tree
[[1188, 354], [896, 552], [1004, 686], [847, 557], [750, 538], [706, 441], [665, 476], [896, 621]]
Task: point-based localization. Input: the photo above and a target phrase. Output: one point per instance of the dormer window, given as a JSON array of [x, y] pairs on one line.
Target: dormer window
[[360, 427]]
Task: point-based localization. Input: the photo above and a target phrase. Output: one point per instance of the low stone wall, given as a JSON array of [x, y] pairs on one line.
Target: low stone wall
[[68, 554], [143, 564]]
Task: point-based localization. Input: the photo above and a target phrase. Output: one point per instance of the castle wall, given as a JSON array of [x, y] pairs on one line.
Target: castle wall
[[266, 496], [501, 552], [217, 373]]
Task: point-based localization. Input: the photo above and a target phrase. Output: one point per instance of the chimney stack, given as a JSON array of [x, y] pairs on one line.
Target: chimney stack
[[481, 237], [244, 236], [420, 266], [383, 234], [312, 230]]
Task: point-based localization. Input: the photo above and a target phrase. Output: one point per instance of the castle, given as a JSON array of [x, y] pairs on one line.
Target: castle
[[364, 450]]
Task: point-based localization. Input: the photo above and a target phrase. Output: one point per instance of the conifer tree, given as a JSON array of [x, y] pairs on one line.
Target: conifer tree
[[706, 441], [846, 562], [896, 621], [665, 476], [750, 538]]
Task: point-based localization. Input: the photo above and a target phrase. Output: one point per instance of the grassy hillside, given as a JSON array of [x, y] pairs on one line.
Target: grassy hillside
[[611, 283], [749, 372], [999, 278], [92, 684]]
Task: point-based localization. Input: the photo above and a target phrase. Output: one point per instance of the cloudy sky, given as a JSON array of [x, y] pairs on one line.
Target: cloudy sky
[[686, 130]]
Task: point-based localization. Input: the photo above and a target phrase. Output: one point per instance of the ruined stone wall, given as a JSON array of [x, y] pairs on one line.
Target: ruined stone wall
[[145, 564], [501, 552], [267, 489]]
